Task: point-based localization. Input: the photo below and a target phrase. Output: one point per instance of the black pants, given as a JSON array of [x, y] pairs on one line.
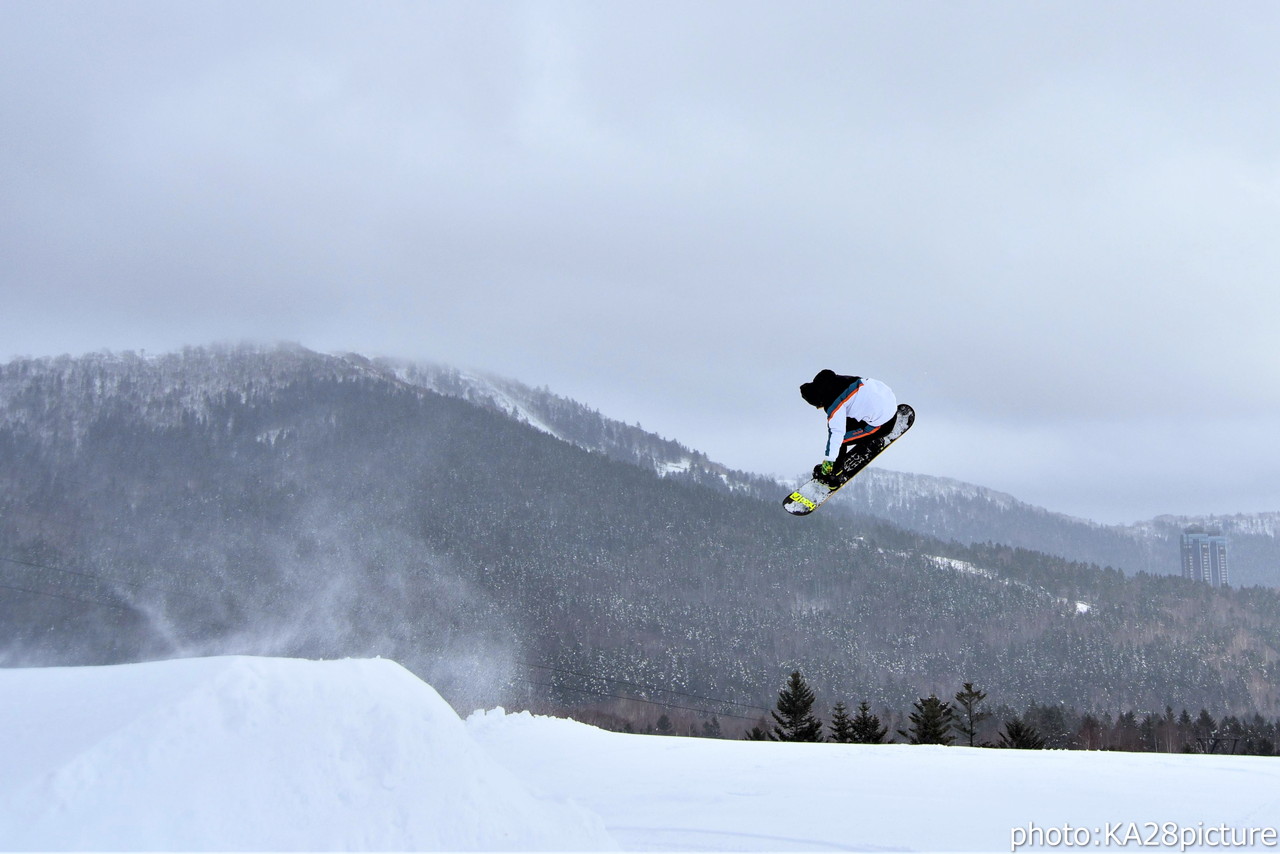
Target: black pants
[[852, 453]]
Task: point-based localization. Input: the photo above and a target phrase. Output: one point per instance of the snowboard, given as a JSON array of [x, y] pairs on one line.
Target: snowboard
[[811, 495]]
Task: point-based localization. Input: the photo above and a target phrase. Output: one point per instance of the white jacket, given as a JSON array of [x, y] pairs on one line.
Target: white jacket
[[868, 401]]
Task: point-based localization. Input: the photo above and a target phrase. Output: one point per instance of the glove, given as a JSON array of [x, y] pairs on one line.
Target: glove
[[823, 470]]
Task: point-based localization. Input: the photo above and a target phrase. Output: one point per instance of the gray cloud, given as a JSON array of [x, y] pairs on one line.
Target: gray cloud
[[1049, 226]]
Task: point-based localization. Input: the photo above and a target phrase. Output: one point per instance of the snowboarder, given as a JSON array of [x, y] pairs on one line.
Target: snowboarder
[[858, 410]]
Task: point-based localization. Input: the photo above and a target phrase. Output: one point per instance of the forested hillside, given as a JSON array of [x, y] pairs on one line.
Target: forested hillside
[[949, 509], [285, 502], [939, 507]]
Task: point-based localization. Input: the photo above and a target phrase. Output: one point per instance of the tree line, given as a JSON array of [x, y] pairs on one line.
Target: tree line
[[967, 719]]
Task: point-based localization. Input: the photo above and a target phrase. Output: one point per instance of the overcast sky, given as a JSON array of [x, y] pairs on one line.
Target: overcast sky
[[1053, 228]]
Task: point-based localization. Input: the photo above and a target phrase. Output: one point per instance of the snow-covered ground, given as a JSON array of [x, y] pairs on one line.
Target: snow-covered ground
[[694, 794], [270, 754], [257, 754]]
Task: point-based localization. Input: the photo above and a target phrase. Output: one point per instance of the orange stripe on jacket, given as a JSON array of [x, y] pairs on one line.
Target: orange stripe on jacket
[[840, 404]]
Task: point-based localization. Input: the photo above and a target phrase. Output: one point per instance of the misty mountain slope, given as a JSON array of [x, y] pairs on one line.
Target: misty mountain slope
[[950, 509], [309, 505], [939, 507], [573, 422]]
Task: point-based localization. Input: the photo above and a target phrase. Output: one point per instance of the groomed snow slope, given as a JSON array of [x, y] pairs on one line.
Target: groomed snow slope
[[685, 794], [240, 754], [257, 754]]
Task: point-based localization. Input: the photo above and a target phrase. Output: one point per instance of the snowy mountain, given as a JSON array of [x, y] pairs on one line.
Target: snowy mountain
[[950, 509], [276, 501], [169, 389], [173, 387], [236, 754], [938, 507], [577, 424]]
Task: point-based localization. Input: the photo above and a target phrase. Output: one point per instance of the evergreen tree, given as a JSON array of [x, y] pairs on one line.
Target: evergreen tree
[[1167, 732], [1020, 736], [968, 700], [1204, 726], [711, 728], [757, 733], [1108, 731], [1125, 735], [866, 726], [1209, 734], [1051, 722], [1185, 726], [1259, 739], [841, 725], [664, 725], [931, 722], [794, 720], [1089, 735], [1147, 732]]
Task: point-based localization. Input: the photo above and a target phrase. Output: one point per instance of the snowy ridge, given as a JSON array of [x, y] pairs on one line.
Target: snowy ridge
[[888, 488], [951, 509], [1246, 524], [170, 387], [571, 422], [894, 488], [491, 392], [163, 390], [158, 390]]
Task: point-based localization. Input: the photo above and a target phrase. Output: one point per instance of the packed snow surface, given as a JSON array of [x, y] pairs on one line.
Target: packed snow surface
[[257, 754], [242, 754], [684, 794]]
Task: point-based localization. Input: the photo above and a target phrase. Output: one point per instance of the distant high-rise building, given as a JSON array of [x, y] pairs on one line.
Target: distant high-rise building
[[1204, 557]]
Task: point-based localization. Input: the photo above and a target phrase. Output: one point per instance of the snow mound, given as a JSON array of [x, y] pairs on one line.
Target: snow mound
[[243, 753]]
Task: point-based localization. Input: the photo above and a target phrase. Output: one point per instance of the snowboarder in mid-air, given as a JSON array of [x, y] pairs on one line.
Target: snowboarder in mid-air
[[863, 418]]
